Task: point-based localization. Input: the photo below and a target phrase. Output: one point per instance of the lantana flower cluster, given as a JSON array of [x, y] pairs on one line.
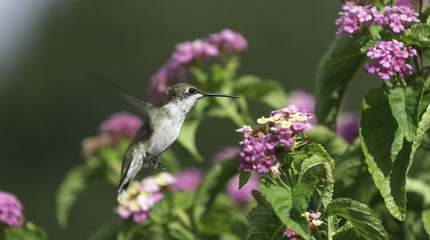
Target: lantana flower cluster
[[118, 125], [141, 197], [314, 223], [190, 52], [275, 134], [390, 59], [10, 210], [355, 18]]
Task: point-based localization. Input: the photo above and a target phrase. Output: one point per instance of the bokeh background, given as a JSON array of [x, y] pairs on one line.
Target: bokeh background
[[48, 104]]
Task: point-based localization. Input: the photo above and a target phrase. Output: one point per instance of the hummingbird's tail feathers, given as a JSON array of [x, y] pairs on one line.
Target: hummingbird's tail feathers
[[122, 190], [129, 170], [142, 106]]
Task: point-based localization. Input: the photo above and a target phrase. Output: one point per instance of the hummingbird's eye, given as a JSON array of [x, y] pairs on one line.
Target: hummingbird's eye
[[192, 90]]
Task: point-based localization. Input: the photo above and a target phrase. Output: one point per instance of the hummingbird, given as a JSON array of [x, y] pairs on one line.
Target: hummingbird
[[160, 128]]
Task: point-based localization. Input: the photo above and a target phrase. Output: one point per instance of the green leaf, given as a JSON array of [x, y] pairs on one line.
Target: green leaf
[[223, 218], [315, 161], [264, 224], [269, 92], [178, 231], [362, 218], [404, 102], [334, 72], [426, 221], [243, 178], [213, 182], [187, 138], [259, 198], [334, 144], [26, 232], [347, 231], [289, 205], [183, 200], [417, 34], [387, 153], [332, 226], [75, 182], [419, 187], [423, 126]]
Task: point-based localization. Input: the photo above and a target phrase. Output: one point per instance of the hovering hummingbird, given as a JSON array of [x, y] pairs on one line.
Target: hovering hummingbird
[[160, 128]]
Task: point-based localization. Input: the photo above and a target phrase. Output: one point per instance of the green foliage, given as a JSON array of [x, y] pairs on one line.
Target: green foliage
[[269, 92], [426, 220], [213, 182], [264, 224], [418, 34], [334, 72], [289, 205], [76, 181], [27, 232], [361, 217], [243, 178], [404, 102], [387, 151]]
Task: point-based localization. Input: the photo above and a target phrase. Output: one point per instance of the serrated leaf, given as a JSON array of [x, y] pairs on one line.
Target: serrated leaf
[[317, 162], [426, 221], [387, 153], [259, 198], [332, 226], [75, 182], [404, 102], [269, 92], [423, 126], [362, 218], [289, 205], [213, 182], [264, 224], [417, 34], [243, 178], [187, 138], [334, 72]]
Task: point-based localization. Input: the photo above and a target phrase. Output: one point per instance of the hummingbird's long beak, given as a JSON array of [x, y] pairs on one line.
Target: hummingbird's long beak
[[219, 95]]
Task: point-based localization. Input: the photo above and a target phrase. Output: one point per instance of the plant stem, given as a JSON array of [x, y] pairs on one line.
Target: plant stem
[[418, 63], [321, 197]]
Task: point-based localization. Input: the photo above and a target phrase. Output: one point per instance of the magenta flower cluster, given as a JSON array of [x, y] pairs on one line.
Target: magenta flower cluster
[[396, 17], [10, 210], [141, 197], [188, 53], [121, 124], [275, 134], [390, 59], [355, 18]]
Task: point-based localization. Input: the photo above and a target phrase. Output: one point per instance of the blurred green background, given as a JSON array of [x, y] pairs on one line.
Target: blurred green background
[[48, 104]]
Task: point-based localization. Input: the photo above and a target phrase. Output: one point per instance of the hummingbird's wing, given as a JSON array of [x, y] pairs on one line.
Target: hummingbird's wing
[[144, 107], [134, 158]]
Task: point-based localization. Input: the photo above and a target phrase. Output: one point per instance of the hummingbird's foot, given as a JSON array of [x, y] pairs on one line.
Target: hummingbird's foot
[[159, 162]]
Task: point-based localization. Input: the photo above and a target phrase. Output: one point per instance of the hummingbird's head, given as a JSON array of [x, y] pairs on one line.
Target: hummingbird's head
[[187, 95]]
